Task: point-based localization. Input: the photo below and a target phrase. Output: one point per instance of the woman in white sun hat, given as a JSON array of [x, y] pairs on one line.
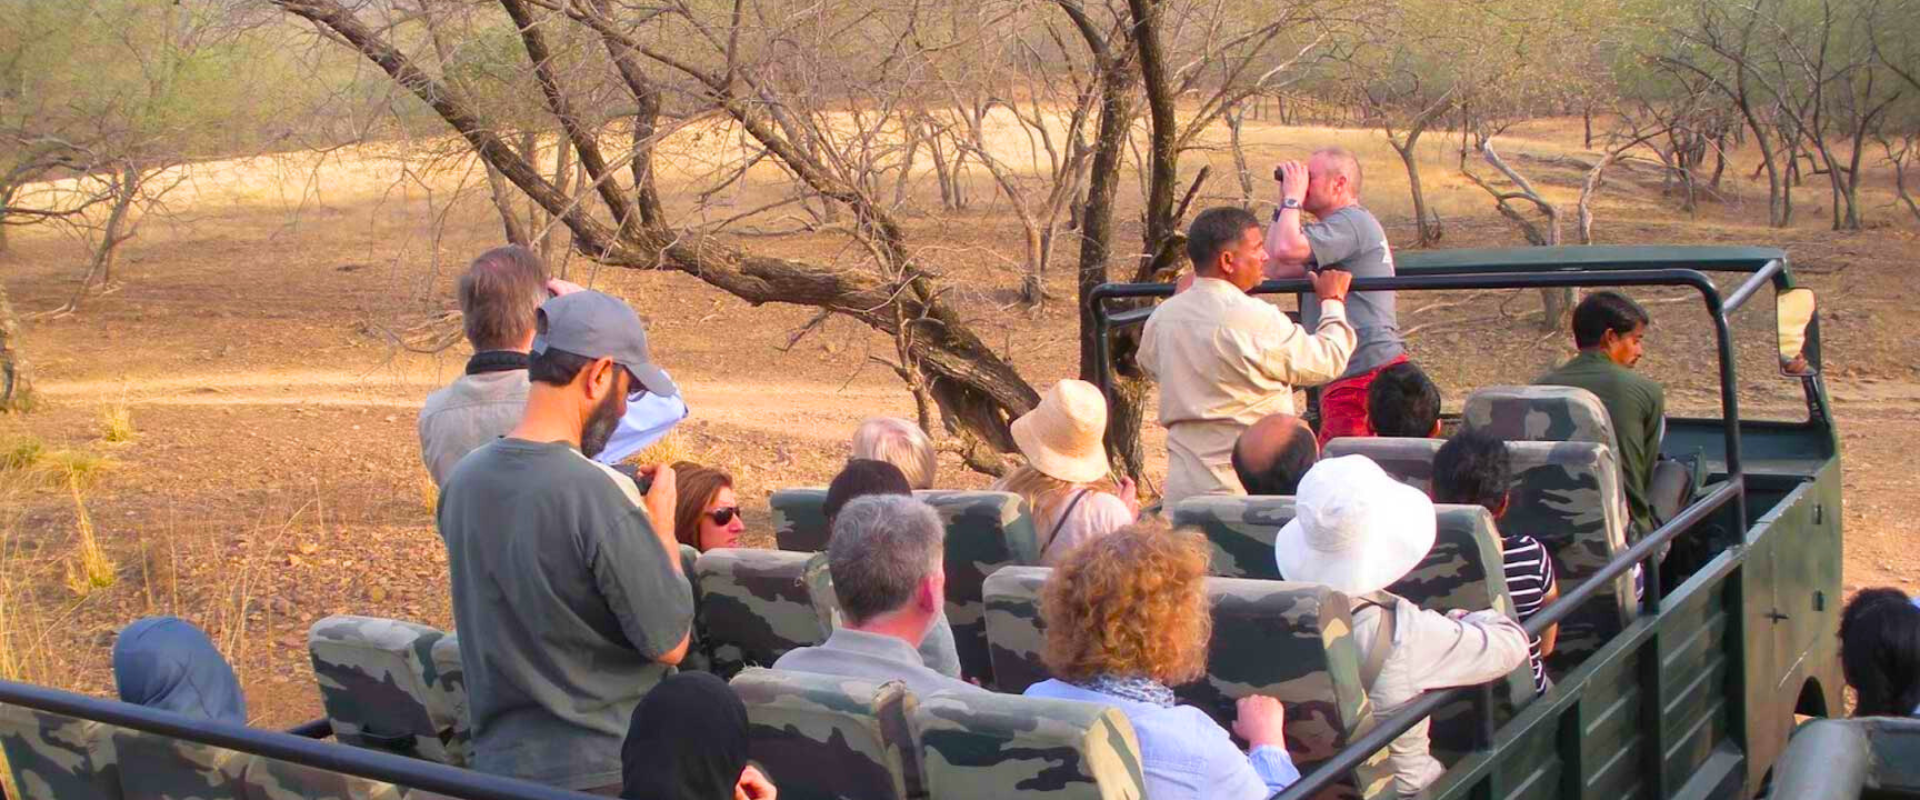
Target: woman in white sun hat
[[1358, 531], [1065, 479]]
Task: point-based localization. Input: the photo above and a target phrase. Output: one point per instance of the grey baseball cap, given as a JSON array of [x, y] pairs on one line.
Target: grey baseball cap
[[594, 325]]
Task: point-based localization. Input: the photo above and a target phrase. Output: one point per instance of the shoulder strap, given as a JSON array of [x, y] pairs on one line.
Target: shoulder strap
[[1382, 636], [1061, 521]]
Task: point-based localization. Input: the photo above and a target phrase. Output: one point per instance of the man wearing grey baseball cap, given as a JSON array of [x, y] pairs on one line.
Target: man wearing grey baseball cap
[[567, 584]]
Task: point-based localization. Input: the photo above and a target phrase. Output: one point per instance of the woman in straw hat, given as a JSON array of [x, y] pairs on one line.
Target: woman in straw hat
[[1358, 532], [1065, 479]]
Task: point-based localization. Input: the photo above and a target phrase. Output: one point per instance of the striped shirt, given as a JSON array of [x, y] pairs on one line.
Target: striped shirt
[[1529, 580]]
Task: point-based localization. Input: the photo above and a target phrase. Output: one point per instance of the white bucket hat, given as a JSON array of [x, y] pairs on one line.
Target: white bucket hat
[[1061, 437], [1354, 529]]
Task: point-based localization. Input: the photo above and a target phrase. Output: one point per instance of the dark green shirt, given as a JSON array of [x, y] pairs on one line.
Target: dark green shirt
[[563, 599], [1638, 409]]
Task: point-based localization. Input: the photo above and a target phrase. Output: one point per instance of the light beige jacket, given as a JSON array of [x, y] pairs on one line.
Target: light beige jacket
[[1223, 360], [1431, 651]]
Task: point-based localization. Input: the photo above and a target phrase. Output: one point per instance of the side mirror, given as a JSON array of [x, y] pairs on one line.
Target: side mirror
[[1794, 309]]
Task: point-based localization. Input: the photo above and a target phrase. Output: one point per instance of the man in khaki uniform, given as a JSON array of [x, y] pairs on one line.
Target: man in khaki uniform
[[1224, 359]]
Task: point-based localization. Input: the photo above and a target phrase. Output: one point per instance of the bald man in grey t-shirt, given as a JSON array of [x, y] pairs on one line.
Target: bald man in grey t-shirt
[[1346, 237]]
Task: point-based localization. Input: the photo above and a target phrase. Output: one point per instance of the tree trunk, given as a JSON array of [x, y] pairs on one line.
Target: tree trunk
[[16, 386], [1126, 406], [1430, 230], [1235, 118]]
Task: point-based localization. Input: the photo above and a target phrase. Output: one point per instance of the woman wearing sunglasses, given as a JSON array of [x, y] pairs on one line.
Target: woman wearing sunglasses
[[707, 515]]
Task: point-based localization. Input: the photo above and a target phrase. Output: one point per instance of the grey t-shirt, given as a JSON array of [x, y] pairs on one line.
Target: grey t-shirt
[[563, 599], [1353, 240]]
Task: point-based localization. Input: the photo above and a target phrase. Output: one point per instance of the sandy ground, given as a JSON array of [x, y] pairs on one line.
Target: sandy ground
[[274, 477]]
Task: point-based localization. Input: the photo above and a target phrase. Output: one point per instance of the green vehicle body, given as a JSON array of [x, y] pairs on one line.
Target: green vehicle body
[[1695, 697]]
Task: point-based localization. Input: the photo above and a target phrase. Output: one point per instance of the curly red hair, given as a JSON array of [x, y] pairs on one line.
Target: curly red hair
[[1130, 603]]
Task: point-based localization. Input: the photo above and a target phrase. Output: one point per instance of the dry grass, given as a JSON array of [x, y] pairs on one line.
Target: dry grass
[[116, 422], [89, 569]]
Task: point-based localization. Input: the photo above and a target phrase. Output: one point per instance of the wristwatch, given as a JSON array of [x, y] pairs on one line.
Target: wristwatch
[[1284, 205]]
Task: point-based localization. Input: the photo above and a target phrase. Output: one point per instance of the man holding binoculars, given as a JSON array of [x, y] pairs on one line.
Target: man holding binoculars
[[1345, 237]]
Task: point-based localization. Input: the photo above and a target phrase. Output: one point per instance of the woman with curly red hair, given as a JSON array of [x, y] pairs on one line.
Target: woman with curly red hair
[[1126, 617]]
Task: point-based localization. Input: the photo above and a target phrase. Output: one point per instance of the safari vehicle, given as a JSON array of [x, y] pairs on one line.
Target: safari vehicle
[[1688, 691], [1694, 695]]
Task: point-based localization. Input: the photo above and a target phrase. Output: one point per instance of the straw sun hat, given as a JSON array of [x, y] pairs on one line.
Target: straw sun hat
[[1354, 529], [1062, 436]]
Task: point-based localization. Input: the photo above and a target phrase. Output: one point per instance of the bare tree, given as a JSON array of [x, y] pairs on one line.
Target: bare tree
[[821, 122]]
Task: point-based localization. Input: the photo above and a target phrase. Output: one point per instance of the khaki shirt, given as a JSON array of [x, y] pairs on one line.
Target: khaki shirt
[[1431, 651], [1224, 360]]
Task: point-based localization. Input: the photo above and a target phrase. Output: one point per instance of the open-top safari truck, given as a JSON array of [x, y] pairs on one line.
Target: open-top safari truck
[[1683, 682], [1692, 691]]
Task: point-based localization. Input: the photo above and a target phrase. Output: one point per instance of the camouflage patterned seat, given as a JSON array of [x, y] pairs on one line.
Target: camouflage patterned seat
[[272, 779], [799, 521], [755, 605], [156, 767], [819, 736], [1409, 461], [1239, 530], [1287, 640], [1539, 414], [985, 531], [447, 705], [1008, 747], [384, 690], [1568, 495], [54, 757]]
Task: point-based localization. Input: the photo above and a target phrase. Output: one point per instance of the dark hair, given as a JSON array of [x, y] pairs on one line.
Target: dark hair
[[1214, 230], [695, 486], [1402, 401], [1473, 468], [1606, 311], [1290, 463], [499, 294], [1880, 652], [555, 366], [862, 477]]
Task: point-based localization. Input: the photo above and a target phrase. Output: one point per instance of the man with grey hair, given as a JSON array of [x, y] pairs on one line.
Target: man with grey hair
[[499, 295], [1345, 237], [900, 443], [888, 575]]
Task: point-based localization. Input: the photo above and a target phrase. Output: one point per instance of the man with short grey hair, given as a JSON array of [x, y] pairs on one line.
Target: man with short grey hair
[[900, 443], [888, 576], [499, 295]]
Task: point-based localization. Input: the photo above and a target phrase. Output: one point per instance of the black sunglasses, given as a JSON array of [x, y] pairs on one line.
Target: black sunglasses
[[722, 516]]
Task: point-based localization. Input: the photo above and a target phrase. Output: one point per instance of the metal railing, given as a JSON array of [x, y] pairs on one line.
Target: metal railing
[[411, 773]]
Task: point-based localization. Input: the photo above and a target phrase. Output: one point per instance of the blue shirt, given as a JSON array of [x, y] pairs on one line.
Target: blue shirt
[[1186, 755]]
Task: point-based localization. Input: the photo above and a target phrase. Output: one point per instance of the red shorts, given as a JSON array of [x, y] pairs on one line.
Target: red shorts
[[1343, 405]]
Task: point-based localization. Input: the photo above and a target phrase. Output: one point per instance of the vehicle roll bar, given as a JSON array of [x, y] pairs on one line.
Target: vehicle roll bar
[[411, 773]]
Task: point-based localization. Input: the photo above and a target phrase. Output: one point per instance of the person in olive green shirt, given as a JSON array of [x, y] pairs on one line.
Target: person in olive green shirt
[[1610, 330]]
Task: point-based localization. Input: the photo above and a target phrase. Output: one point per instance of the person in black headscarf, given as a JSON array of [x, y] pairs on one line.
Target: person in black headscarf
[[167, 663], [688, 741]]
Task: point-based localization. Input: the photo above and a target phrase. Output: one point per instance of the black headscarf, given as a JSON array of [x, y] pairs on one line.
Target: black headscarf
[[688, 741]]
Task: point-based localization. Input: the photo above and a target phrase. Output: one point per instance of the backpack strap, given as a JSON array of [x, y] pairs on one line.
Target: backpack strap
[[1061, 522], [1382, 635]]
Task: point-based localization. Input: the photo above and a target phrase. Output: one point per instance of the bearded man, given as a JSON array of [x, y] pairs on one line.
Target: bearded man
[[567, 584]]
